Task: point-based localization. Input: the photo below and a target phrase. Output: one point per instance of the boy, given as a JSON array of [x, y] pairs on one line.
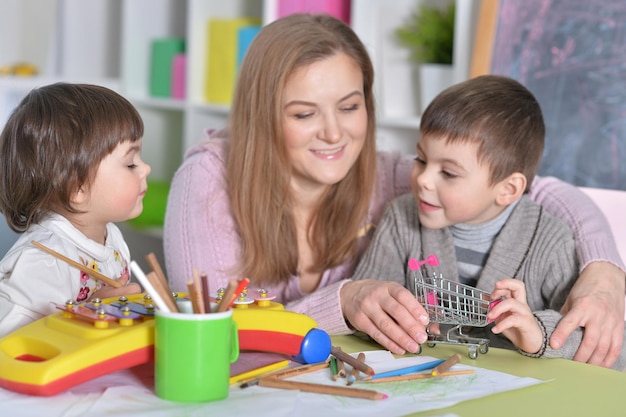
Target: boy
[[480, 147]]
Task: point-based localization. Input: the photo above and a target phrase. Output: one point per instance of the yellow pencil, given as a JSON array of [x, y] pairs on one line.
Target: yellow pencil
[[258, 371]]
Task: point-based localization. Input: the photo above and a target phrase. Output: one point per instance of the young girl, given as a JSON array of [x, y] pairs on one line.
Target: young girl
[[70, 166]]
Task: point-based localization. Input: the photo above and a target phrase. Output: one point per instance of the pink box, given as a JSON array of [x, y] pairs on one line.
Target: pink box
[[338, 8], [179, 76]]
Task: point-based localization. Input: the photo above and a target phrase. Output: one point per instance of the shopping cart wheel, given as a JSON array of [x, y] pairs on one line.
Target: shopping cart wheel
[[484, 348], [431, 344], [472, 352]]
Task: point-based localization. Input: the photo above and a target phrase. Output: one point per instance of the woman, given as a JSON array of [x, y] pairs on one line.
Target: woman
[[288, 196]]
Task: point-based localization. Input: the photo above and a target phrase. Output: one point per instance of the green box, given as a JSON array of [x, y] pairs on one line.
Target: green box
[[161, 58]]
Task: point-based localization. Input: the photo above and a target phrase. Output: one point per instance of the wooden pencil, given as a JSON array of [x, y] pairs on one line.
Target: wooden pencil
[[333, 368], [198, 294], [162, 284], [449, 363], [97, 275], [322, 389], [146, 283], [285, 373], [420, 376], [206, 291], [163, 290], [354, 374], [258, 372], [153, 263], [194, 297], [352, 361], [299, 370], [341, 367], [233, 290]]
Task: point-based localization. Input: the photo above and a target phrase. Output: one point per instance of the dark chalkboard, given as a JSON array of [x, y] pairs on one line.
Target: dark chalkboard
[[572, 55]]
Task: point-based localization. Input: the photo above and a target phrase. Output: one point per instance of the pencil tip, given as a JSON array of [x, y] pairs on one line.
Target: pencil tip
[[385, 396]]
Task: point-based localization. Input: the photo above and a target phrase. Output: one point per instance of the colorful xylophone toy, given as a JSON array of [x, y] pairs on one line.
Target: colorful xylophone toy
[[86, 340]]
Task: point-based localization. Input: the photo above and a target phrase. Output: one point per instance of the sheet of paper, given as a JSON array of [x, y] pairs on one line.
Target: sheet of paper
[[130, 393]]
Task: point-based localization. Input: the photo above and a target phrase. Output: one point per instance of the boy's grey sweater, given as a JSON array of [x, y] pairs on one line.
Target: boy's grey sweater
[[532, 246]]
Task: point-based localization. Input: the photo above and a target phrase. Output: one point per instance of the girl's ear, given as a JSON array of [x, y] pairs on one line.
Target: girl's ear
[[511, 189], [79, 197]]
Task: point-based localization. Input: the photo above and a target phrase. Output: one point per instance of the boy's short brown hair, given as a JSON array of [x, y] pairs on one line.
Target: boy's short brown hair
[[499, 114]]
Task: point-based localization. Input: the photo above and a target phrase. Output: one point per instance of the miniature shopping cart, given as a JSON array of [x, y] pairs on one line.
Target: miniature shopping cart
[[452, 303]]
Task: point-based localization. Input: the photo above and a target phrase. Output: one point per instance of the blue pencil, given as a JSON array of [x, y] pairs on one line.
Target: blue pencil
[[408, 369]]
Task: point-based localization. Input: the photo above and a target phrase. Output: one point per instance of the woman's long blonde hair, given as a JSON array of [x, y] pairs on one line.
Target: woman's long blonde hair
[[259, 170]]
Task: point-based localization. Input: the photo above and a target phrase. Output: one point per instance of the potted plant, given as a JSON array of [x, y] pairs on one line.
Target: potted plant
[[428, 33]]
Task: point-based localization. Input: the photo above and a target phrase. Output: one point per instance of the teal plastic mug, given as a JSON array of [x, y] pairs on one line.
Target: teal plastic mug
[[192, 355]]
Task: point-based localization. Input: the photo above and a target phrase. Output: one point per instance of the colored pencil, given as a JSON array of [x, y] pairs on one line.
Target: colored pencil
[[354, 375], [206, 291], [419, 376], [233, 290], [449, 363], [199, 295], [408, 370], [148, 287], [97, 275], [341, 367], [352, 361], [285, 373], [195, 297], [161, 283], [333, 368], [255, 373], [322, 389]]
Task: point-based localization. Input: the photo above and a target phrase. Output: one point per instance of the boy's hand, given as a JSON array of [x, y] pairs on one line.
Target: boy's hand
[[513, 316], [387, 312], [126, 289]]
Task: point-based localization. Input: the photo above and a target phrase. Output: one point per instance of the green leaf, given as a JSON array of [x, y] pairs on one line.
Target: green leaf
[[429, 34]]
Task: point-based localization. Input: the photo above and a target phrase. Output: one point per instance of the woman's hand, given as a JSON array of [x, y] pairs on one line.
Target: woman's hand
[[513, 316], [596, 302], [387, 312], [107, 291]]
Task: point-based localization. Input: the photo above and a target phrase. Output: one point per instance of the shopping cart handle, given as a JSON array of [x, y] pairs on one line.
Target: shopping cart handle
[[414, 264]]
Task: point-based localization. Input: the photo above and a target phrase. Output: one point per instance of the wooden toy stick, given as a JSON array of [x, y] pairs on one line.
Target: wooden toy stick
[[97, 275]]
